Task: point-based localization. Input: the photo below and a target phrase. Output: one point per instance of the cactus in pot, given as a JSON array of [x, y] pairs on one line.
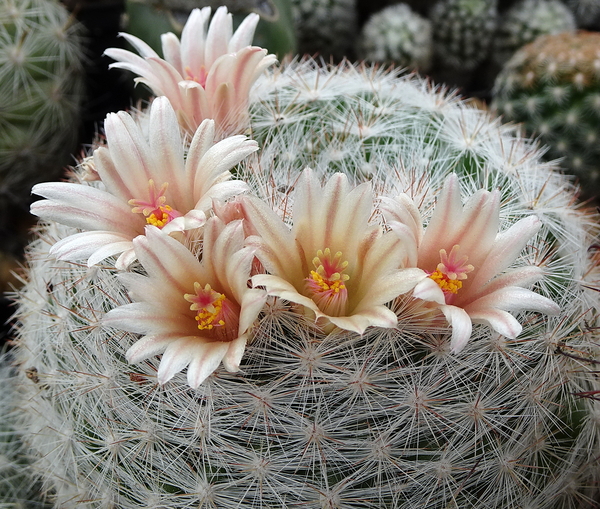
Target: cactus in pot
[[313, 337]]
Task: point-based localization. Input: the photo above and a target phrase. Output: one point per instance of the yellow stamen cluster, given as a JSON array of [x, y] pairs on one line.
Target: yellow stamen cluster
[[331, 284], [447, 285], [163, 220], [323, 277], [207, 314]]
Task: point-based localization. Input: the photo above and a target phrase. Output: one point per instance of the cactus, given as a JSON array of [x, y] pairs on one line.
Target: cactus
[[463, 31], [41, 86], [552, 87], [326, 28], [526, 21], [386, 418], [586, 11], [397, 34], [18, 487]]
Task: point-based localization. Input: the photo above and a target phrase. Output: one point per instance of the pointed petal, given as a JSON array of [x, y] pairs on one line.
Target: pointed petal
[[139, 317], [279, 287], [446, 214], [501, 321], [461, 325], [172, 50], [147, 347], [390, 286], [244, 34], [514, 298], [81, 246], [506, 249], [252, 303], [193, 39], [276, 246], [165, 258], [219, 33], [84, 207], [374, 316], [428, 289], [166, 148], [205, 360], [235, 352]]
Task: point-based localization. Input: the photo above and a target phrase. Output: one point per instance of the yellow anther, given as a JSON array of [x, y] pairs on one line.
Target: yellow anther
[[208, 305], [447, 285]]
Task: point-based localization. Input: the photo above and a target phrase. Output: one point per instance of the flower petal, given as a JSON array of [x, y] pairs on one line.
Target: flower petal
[[205, 359], [428, 289], [82, 246], [461, 325], [148, 346], [374, 316], [235, 352]]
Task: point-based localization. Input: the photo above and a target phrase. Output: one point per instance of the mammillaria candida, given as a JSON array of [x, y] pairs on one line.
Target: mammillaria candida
[[390, 414]]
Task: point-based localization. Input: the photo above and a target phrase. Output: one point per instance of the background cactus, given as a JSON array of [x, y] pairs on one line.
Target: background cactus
[[463, 31], [397, 34], [386, 419], [41, 90], [552, 87], [326, 27], [526, 21]]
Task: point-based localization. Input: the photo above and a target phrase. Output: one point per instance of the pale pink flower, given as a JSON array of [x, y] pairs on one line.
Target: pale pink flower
[[198, 313], [465, 261], [208, 74], [339, 268], [143, 182]]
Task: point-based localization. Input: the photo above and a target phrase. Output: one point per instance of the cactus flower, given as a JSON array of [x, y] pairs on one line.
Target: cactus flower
[[198, 313], [464, 261], [332, 262], [143, 183], [208, 74]]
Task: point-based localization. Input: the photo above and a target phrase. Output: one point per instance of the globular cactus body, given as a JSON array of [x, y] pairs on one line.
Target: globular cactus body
[[399, 35], [526, 21], [41, 90], [463, 31], [41, 84], [552, 86], [389, 418]]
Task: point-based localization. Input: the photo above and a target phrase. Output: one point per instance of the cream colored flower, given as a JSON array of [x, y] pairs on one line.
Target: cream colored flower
[[208, 74], [200, 314], [332, 262], [144, 182], [465, 261]]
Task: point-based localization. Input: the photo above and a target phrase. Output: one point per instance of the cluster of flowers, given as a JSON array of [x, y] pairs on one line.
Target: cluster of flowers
[[156, 194]]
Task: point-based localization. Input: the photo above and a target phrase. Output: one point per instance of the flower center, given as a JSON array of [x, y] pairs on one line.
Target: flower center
[[155, 210], [451, 271], [214, 312], [199, 78], [326, 283]]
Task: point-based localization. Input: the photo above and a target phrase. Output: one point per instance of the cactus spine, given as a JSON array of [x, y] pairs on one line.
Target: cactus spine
[[385, 419]]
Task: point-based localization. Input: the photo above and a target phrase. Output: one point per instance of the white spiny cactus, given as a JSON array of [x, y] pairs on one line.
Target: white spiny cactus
[[387, 418]]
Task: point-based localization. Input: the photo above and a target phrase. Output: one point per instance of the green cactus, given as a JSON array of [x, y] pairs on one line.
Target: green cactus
[[552, 87], [463, 31], [41, 91], [397, 34], [526, 21], [386, 419]]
